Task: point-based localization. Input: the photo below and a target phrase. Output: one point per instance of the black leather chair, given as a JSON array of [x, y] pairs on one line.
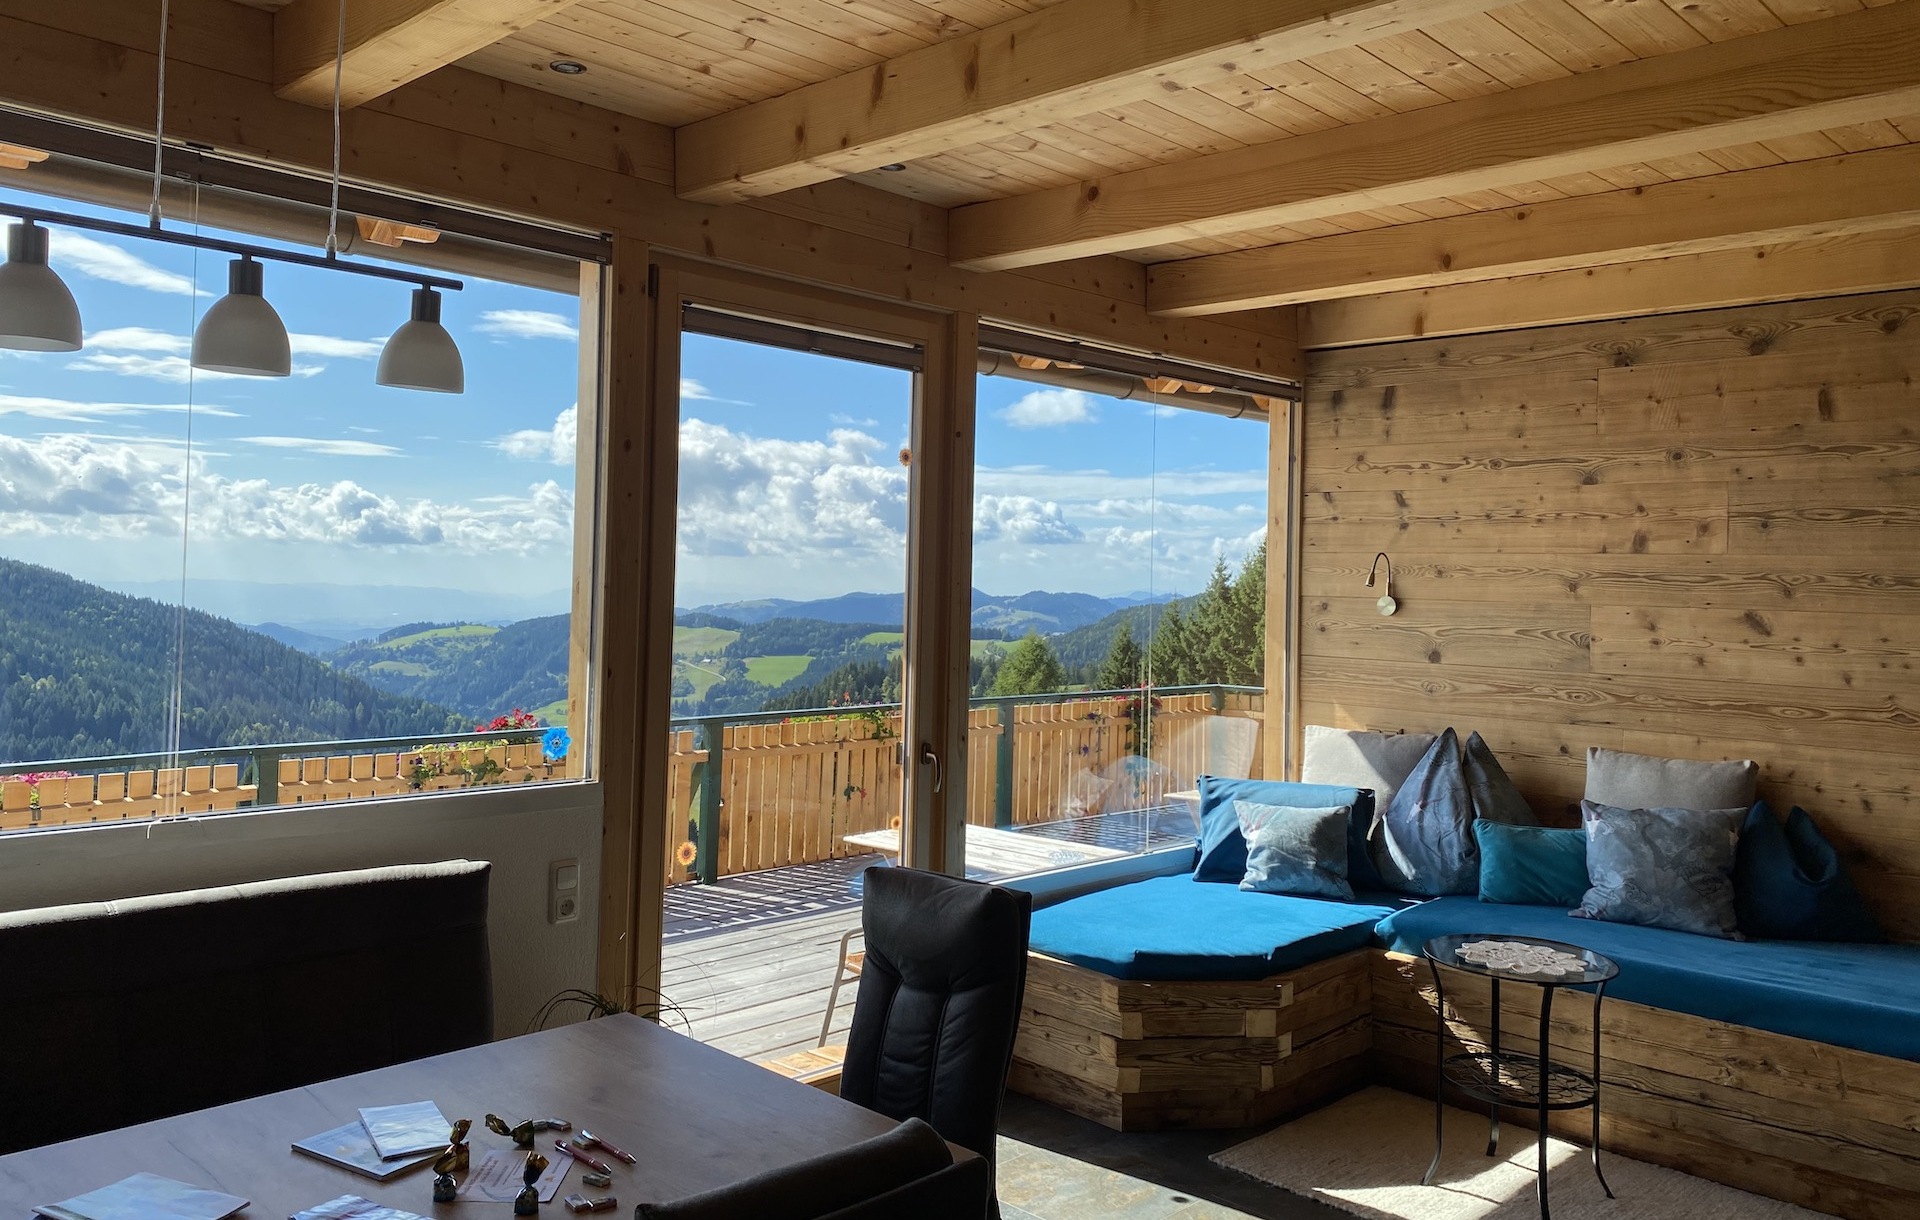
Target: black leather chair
[[907, 1174], [939, 1001]]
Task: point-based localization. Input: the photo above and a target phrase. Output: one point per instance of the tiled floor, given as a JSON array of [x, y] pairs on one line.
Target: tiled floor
[[1054, 1166]]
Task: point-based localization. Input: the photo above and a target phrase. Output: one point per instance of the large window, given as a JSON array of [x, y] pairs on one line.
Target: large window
[[221, 592]]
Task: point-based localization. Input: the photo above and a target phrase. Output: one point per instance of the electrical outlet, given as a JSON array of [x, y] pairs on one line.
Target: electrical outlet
[[563, 891]]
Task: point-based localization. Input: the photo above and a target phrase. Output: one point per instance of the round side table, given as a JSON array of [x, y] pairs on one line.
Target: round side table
[[1507, 1078]]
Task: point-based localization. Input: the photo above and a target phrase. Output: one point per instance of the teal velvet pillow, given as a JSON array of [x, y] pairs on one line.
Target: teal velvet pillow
[[1295, 851], [1789, 883], [1531, 865]]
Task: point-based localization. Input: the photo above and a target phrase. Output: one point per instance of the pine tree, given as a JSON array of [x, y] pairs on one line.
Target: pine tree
[[1250, 621], [1169, 656], [1122, 668], [1030, 669]]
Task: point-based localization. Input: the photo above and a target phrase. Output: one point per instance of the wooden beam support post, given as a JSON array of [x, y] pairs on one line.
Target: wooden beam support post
[[1850, 69], [1856, 193], [1835, 266], [1068, 60], [388, 42]]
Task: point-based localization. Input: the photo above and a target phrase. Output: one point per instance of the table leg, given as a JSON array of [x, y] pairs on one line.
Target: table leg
[[1546, 1050], [1439, 1070], [1599, 993], [1493, 1109]]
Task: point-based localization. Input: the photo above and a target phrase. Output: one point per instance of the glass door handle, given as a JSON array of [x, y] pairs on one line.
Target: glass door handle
[[928, 758]]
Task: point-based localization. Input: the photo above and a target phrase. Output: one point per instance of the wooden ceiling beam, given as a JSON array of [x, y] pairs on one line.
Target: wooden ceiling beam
[[1855, 193], [1068, 60], [1849, 69], [1833, 266], [388, 42]]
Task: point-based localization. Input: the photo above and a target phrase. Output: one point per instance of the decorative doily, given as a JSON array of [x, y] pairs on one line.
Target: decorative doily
[[1518, 957]]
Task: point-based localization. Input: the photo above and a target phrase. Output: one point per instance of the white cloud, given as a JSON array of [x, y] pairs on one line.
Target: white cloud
[[332, 345], [527, 324], [175, 370], [1023, 520], [101, 261], [1050, 409], [90, 488], [696, 391], [89, 412], [137, 339], [321, 445], [835, 499], [555, 444]]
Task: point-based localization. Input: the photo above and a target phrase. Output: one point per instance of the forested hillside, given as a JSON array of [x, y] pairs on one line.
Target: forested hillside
[[476, 669], [86, 672]]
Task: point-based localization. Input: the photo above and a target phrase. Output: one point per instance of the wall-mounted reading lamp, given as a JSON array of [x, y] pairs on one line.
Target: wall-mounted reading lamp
[[1386, 603]]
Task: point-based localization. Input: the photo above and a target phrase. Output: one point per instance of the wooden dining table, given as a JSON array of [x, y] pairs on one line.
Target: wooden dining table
[[694, 1117]]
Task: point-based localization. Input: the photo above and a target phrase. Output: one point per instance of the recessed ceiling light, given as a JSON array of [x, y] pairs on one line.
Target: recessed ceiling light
[[895, 168], [568, 67]]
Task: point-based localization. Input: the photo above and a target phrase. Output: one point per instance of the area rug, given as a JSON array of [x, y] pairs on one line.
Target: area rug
[[1366, 1153]]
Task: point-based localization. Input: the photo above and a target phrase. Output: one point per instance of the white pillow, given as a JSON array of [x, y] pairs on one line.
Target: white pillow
[[1355, 758]]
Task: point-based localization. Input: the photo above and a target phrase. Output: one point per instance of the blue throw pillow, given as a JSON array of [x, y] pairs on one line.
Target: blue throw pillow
[[1296, 851], [1223, 849], [1426, 834], [1664, 868], [1789, 883], [1531, 865]]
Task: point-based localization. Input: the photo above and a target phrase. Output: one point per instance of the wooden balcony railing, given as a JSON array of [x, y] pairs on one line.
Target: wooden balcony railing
[[745, 793]]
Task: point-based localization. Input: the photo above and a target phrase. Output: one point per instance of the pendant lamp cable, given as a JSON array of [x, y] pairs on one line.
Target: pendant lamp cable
[[159, 118], [339, 63]]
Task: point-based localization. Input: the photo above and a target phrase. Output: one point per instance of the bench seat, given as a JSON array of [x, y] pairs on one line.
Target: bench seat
[[1858, 996], [1175, 929]]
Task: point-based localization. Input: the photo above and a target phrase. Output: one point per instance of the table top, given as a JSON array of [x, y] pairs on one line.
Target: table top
[[1445, 951], [994, 852], [696, 1118]]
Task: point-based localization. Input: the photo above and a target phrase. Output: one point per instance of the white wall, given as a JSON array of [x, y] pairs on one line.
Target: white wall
[[521, 830]]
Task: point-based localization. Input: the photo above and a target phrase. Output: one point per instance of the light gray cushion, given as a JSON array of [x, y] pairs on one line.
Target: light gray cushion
[[1664, 868], [1358, 759], [1295, 851], [1642, 781], [1426, 844], [1494, 796]]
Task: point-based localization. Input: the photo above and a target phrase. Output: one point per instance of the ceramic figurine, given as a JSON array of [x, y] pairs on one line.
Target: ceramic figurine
[[521, 1135], [527, 1202]]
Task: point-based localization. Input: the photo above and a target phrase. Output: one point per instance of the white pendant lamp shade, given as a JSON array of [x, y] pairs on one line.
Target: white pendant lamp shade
[[242, 333], [422, 355], [37, 312]]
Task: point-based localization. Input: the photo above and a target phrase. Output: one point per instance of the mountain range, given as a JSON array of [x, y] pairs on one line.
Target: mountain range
[[1007, 615]]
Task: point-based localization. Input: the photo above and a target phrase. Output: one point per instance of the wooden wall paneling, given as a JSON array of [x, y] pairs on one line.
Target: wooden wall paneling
[[1770, 458], [470, 139]]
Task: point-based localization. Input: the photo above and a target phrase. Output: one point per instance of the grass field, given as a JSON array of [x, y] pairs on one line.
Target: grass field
[[883, 637], [553, 713], [440, 633], [701, 641], [774, 670]]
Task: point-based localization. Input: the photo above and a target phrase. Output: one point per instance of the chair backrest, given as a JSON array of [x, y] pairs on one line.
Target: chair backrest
[[114, 1013], [907, 1172], [939, 1001]]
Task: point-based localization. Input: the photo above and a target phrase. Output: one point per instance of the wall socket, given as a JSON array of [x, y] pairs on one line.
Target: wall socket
[[563, 891]]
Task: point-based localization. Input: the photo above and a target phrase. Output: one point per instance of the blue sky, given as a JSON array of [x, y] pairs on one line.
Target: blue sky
[[791, 480]]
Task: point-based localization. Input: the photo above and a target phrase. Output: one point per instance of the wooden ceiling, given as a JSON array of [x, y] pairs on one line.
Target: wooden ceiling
[[1168, 131]]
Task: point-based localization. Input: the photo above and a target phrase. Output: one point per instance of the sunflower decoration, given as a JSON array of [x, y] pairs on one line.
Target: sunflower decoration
[[686, 853], [894, 822]]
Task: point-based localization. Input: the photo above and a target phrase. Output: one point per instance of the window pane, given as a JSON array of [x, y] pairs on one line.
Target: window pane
[[256, 591]]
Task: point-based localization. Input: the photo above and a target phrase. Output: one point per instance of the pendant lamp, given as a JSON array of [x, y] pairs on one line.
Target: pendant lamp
[[421, 355], [37, 312], [241, 333]]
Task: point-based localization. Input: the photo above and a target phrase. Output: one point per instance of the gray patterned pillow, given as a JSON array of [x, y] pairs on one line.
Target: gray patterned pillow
[[1295, 851], [1665, 868]]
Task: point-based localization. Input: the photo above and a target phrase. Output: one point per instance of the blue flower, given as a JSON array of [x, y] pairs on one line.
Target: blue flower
[[555, 744]]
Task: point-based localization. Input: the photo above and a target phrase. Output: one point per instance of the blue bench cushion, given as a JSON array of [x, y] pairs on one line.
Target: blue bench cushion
[[1860, 996], [1168, 928]]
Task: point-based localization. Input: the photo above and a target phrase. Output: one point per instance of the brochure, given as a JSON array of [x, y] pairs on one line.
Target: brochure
[[350, 1147], [145, 1196], [405, 1130], [353, 1207]]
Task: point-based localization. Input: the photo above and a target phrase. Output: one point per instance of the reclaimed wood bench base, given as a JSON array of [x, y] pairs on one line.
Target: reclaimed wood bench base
[[1139, 1056]]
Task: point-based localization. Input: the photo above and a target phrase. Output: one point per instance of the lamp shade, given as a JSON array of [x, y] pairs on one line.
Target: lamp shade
[[242, 333], [421, 355], [37, 313]]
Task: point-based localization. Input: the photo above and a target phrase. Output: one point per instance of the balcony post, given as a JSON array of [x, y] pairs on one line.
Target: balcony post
[[1003, 766], [707, 844], [266, 778]]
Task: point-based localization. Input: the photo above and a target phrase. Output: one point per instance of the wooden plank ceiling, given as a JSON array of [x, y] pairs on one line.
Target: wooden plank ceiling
[[1194, 112]]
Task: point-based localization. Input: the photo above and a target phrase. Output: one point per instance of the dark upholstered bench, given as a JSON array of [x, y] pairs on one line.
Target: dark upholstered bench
[[114, 1013]]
